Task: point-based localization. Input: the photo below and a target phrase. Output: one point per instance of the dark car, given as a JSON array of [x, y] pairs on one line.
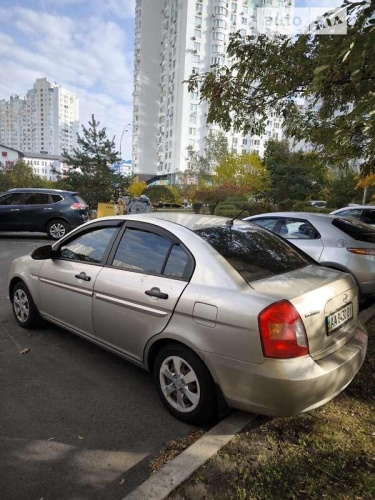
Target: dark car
[[50, 211]]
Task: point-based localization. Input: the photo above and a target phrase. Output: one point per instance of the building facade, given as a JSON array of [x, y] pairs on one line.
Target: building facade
[[48, 167], [173, 40], [45, 121], [8, 157]]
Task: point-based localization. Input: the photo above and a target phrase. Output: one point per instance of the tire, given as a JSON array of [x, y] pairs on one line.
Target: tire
[[24, 309], [56, 229], [193, 402]]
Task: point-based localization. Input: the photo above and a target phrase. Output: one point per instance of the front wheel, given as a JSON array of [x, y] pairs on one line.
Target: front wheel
[[56, 229], [184, 384], [25, 311]]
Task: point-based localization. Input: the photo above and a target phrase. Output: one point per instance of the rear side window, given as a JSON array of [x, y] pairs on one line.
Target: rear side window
[[56, 198], [253, 253], [36, 199], [355, 229]]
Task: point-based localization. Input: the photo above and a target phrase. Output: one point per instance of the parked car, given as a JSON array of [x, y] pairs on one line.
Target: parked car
[[337, 242], [318, 203], [223, 313], [50, 211], [364, 213]]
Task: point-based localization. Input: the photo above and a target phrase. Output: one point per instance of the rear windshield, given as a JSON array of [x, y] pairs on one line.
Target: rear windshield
[[253, 252], [355, 229]]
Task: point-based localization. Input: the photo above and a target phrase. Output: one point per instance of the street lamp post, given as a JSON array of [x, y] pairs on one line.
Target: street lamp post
[[125, 129]]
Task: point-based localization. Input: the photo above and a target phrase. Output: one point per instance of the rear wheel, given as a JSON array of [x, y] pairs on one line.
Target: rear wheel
[[184, 384], [56, 229], [25, 311]]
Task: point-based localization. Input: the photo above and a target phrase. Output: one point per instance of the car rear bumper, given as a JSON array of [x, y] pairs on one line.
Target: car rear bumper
[[291, 386]]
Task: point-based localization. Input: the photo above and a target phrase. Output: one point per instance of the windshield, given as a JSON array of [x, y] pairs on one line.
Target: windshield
[[355, 229], [253, 252]]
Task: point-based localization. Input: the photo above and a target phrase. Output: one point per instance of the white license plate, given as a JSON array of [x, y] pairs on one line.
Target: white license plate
[[339, 318]]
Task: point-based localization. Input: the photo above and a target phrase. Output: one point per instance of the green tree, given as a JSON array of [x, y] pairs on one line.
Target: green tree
[[159, 194], [90, 172], [21, 175], [336, 74], [294, 175]]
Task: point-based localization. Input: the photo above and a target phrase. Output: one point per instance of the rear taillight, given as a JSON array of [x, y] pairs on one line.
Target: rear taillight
[[362, 251], [282, 332], [78, 206]]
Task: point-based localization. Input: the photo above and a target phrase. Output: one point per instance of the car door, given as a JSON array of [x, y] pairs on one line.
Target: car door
[[10, 208], [301, 233], [136, 293], [35, 211], [66, 283]]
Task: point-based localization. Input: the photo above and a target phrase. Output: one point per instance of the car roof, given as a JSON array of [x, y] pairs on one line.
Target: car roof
[[300, 215], [39, 190], [188, 220], [350, 207]]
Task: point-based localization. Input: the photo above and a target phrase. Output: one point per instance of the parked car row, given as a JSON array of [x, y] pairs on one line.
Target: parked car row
[[223, 313]]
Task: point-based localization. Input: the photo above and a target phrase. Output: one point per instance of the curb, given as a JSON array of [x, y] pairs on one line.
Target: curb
[[174, 473], [163, 482]]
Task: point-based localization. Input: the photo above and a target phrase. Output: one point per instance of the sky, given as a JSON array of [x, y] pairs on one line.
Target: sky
[[86, 46]]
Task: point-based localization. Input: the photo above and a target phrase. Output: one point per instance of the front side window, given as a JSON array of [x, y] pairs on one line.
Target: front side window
[[88, 247], [253, 253], [11, 199]]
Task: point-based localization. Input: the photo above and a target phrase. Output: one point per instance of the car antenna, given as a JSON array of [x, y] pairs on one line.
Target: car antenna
[[230, 221]]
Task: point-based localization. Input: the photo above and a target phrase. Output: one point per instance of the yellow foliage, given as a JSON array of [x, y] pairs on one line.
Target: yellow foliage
[[367, 181], [136, 188]]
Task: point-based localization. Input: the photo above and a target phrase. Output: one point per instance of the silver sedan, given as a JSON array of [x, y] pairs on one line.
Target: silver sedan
[[222, 312], [334, 241]]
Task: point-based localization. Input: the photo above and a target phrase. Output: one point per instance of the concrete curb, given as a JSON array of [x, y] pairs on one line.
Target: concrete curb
[[163, 482], [174, 473]]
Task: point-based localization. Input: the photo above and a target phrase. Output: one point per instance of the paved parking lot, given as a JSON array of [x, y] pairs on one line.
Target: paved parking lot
[[76, 422]]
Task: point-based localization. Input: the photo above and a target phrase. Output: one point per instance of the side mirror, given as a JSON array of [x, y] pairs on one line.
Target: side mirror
[[43, 253]]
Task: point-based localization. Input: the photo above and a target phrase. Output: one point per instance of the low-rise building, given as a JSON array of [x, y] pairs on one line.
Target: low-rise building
[[49, 167], [8, 157]]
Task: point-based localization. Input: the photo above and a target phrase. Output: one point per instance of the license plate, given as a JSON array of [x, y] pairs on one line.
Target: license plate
[[339, 318]]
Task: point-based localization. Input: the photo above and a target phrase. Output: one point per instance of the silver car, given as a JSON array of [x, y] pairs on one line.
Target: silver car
[[364, 213], [223, 313], [340, 243]]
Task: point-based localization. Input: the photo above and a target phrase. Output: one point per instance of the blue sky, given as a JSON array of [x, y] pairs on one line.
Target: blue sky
[[84, 45]]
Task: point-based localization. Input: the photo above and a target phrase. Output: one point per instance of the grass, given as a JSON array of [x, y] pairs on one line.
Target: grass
[[328, 453]]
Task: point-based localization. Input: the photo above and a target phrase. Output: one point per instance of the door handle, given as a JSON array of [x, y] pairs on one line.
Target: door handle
[[15, 210], [155, 292], [83, 276], [48, 208]]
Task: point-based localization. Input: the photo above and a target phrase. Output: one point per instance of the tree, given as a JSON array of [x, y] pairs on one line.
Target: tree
[[159, 194], [21, 175], [137, 188], [90, 163], [243, 170], [294, 175], [202, 167], [334, 73]]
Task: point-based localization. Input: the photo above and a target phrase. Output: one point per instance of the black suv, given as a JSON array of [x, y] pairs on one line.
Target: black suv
[[49, 211]]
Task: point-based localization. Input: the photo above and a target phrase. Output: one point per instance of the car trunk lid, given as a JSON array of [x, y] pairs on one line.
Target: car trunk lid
[[326, 300]]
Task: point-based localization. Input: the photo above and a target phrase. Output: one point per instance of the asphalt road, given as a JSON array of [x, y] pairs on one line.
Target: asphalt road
[[76, 422]]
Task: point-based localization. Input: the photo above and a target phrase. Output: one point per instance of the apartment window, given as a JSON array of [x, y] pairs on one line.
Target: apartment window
[[193, 108], [244, 21], [194, 95], [195, 70], [220, 23], [198, 8], [233, 18], [192, 131], [217, 35], [196, 58], [235, 142], [198, 21], [198, 33], [233, 7], [197, 46], [217, 60], [193, 119], [222, 11], [217, 48]]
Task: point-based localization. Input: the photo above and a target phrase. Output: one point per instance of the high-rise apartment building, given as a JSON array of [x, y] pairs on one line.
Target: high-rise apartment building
[[45, 121], [174, 39]]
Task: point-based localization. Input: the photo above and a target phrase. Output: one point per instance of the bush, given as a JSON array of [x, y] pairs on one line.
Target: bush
[[261, 207], [230, 212], [302, 206], [286, 205], [197, 207], [212, 207]]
